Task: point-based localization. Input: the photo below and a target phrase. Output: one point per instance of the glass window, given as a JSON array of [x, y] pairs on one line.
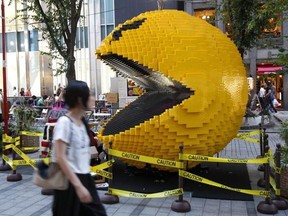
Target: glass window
[[103, 32], [109, 28], [109, 12], [206, 14], [102, 11], [33, 40], [11, 42], [273, 30], [82, 37], [20, 41]]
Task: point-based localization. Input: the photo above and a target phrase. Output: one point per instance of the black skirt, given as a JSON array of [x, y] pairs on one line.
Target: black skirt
[[67, 203]]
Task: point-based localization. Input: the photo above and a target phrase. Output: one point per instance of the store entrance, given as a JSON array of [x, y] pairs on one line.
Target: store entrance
[[267, 75]]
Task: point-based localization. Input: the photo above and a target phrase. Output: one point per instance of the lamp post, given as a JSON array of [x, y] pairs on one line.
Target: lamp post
[[4, 166], [5, 104]]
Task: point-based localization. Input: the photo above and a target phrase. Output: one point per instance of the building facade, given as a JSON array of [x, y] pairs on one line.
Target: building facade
[[27, 67]]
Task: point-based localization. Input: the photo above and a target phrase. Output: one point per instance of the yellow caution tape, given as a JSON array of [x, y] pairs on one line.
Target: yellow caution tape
[[7, 147], [245, 136], [7, 139], [273, 184], [30, 148], [102, 166], [146, 159], [99, 169], [169, 193], [24, 156], [209, 182], [29, 133], [23, 162], [104, 173], [8, 160], [191, 157]]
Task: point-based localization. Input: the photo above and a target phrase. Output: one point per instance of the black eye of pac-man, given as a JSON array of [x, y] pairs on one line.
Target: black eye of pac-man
[[161, 93], [135, 25]]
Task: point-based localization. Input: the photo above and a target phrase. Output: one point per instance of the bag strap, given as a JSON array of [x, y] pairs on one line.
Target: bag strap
[[71, 128], [85, 122]]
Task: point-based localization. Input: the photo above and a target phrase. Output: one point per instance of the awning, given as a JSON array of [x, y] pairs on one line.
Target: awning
[[261, 70]]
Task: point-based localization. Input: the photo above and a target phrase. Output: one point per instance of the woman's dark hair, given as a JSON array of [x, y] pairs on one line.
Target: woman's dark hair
[[76, 89]]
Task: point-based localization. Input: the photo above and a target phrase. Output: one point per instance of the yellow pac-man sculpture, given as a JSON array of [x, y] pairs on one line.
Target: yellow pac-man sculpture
[[195, 86]]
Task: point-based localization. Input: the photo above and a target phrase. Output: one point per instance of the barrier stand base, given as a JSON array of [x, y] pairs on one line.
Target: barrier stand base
[[109, 199], [5, 167], [47, 192], [261, 168], [14, 177], [280, 203], [259, 156], [261, 183], [180, 206], [267, 208]]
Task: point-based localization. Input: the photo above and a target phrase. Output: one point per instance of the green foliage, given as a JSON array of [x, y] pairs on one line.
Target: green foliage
[[246, 19], [24, 119], [57, 20], [282, 60], [284, 132], [284, 149]]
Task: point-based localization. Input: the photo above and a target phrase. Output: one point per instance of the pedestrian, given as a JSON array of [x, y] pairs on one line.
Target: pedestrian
[[15, 93], [71, 150], [22, 92], [269, 98], [28, 92], [261, 95]]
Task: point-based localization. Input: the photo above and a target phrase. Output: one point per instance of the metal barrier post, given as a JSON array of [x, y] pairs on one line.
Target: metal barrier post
[[278, 201], [5, 166], [262, 182], [262, 146], [261, 141], [14, 176], [109, 198], [267, 206], [180, 205]]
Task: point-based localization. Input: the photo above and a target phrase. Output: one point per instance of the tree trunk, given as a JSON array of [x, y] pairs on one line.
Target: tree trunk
[[71, 73]]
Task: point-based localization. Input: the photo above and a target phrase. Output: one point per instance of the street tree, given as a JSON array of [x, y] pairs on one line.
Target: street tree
[[246, 19], [57, 20]]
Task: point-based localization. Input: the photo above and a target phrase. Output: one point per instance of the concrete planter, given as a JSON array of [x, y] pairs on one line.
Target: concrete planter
[[255, 121]]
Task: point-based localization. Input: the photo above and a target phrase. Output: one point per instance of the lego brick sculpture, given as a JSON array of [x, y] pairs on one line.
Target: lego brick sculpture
[[195, 86]]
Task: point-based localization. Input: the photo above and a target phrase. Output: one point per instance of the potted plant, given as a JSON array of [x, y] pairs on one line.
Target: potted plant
[[24, 120], [284, 159]]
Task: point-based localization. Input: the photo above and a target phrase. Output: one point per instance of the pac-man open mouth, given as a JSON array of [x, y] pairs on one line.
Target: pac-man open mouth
[[161, 93]]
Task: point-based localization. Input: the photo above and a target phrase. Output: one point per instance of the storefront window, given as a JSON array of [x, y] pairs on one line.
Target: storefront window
[[11, 42], [274, 28], [206, 14], [33, 40]]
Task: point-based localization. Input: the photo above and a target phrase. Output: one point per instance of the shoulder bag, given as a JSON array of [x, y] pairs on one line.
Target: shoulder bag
[[51, 176]]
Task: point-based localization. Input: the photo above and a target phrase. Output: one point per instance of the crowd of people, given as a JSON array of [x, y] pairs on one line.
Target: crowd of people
[[267, 97], [56, 100]]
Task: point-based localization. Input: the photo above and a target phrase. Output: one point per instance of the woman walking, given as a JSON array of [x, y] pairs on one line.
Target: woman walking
[[72, 152]]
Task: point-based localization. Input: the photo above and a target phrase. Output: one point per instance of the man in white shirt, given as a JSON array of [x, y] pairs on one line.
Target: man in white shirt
[[261, 94], [15, 93]]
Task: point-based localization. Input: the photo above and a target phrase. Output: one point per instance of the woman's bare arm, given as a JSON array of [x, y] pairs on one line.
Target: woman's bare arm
[[82, 192]]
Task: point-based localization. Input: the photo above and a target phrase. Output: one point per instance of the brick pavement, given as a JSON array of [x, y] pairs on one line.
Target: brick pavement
[[24, 199]]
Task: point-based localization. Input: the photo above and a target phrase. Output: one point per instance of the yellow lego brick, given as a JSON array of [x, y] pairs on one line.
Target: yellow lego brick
[[200, 57]]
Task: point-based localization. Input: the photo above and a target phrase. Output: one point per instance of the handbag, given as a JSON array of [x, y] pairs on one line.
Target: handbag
[[50, 176]]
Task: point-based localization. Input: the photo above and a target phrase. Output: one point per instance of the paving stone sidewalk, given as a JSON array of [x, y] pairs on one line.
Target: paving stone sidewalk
[[24, 199]]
